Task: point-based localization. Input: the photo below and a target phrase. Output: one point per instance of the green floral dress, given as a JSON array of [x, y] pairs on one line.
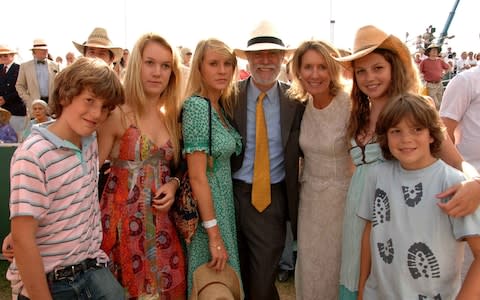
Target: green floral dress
[[225, 141]]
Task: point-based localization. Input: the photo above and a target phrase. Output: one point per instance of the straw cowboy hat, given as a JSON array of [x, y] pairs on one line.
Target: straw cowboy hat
[[369, 38], [39, 44], [4, 116], [4, 49], [264, 37], [431, 46], [99, 39], [209, 284]]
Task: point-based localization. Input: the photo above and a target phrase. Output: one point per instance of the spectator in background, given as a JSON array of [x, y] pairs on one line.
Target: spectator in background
[[7, 133], [462, 63], [40, 114], [244, 73], [70, 58], [35, 79], [99, 45], [471, 60], [417, 58], [9, 98], [124, 63], [59, 61], [433, 68], [186, 55]]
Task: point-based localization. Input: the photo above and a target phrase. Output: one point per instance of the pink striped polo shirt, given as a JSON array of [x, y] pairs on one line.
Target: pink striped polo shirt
[[55, 182]]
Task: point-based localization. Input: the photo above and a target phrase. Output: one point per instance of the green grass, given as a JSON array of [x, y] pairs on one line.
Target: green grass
[[5, 292]]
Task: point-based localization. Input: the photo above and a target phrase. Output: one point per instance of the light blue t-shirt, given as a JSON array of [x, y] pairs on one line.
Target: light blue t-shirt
[[416, 249]]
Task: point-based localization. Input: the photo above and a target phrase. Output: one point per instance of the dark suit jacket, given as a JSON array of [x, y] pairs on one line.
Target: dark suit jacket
[[291, 112], [13, 103]]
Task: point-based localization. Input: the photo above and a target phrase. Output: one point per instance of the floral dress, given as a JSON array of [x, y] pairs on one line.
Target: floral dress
[[225, 141], [144, 246]]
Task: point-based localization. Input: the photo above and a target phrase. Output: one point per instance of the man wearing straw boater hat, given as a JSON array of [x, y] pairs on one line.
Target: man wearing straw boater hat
[[266, 172], [99, 45], [35, 80], [9, 98]]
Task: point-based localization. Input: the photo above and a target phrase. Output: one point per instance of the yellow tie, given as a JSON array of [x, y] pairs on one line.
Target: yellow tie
[[261, 197]]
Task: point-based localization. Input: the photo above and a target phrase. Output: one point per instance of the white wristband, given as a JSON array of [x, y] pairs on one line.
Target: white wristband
[[209, 224]]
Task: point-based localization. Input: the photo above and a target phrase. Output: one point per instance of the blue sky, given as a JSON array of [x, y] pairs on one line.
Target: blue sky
[[185, 22]]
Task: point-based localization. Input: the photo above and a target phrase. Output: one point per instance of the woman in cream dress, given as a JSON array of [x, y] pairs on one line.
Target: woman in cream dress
[[326, 169]]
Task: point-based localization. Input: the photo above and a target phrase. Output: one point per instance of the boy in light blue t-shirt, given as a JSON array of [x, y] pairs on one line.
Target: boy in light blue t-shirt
[[410, 248]]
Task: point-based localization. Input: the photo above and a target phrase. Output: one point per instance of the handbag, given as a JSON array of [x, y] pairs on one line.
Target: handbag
[[185, 208]]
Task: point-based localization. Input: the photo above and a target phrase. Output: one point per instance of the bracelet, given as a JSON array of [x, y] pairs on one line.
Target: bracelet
[[172, 178], [209, 224]]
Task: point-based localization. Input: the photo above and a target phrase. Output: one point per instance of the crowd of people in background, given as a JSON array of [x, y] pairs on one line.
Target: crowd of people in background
[[322, 161]]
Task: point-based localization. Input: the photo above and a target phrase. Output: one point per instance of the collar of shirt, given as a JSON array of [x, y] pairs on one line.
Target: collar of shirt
[[8, 66], [42, 129], [271, 93]]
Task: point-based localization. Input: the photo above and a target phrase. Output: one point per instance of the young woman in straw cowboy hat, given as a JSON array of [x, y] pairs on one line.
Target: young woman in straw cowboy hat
[[382, 69], [141, 138]]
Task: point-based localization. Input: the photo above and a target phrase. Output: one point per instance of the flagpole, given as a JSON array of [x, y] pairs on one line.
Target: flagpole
[[332, 24]]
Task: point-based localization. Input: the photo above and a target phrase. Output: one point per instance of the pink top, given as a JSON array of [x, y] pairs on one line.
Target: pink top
[[55, 182], [432, 69]]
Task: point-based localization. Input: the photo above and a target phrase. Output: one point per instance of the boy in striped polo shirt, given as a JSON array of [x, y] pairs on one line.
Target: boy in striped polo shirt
[[54, 209]]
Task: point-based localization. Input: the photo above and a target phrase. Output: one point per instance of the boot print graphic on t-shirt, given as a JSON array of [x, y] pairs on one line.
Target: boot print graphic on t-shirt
[[422, 262], [381, 209], [413, 195], [386, 251]]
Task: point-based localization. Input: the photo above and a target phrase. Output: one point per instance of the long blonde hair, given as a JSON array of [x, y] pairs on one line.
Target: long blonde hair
[[136, 98], [196, 84]]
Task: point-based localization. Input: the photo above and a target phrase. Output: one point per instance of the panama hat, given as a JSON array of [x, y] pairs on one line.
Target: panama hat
[[99, 39], [4, 49], [208, 284], [264, 37], [369, 38], [39, 44]]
